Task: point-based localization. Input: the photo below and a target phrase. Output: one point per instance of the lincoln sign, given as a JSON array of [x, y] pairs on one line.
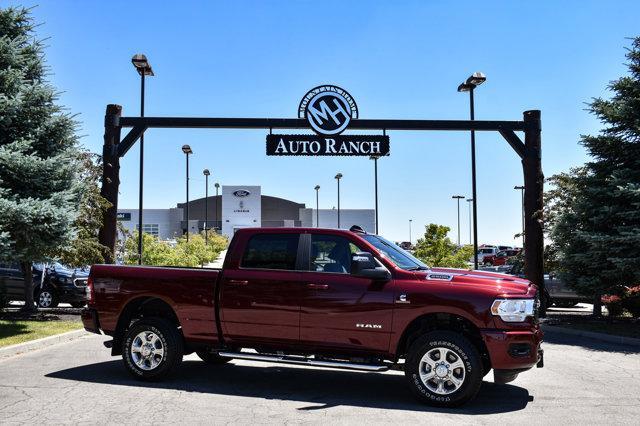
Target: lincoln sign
[[328, 110]]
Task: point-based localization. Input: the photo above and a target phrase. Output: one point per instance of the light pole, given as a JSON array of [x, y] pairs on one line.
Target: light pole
[[476, 79], [469, 200], [317, 188], [410, 220], [521, 188], [375, 174], [338, 177], [215, 208], [458, 198], [187, 150], [143, 67], [206, 174]]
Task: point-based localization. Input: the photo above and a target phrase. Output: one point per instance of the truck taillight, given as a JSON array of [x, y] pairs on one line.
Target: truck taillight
[[90, 293]]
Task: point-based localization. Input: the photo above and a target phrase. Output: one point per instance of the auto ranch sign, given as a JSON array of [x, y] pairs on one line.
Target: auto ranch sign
[[328, 110]]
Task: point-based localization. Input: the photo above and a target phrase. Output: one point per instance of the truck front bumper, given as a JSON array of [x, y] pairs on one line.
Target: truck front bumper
[[514, 350]]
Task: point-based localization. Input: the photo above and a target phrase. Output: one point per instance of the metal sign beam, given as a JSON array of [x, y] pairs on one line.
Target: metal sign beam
[[300, 123]]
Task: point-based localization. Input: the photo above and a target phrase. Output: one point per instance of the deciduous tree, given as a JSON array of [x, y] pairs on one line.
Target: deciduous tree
[[436, 249]]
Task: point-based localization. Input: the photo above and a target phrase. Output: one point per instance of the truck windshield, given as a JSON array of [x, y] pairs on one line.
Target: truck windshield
[[402, 259]]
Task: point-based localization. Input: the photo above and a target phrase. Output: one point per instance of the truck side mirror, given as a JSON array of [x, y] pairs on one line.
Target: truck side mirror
[[364, 265]]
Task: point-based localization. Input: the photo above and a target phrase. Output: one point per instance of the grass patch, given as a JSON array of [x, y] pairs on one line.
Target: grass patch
[[13, 332]]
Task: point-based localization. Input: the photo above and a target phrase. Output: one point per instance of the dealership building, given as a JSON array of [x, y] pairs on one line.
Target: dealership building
[[241, 206]]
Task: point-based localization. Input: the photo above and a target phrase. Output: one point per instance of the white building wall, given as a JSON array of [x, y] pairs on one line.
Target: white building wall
[[166, 220], [365, 218], [241, 208]]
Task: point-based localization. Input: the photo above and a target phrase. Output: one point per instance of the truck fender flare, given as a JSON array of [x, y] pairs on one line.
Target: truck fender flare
[[426, 312]]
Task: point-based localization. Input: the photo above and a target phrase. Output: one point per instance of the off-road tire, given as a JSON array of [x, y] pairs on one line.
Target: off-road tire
[[467, 353], [170, 340], [212, 358]]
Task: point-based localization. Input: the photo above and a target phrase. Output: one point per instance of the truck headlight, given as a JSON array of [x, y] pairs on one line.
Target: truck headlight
[[513, 310]]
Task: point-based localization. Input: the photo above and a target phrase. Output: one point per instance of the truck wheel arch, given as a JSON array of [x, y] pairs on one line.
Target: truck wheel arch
[[439, 321], [140, 307]]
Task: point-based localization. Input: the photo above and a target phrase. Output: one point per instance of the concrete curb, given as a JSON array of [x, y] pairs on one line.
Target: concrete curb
[[621, 340], [33, 345]]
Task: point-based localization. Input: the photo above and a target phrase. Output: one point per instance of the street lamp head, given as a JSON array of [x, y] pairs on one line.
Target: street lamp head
[[458, 196], [339, 176], [469, 199], [187, 149], [464, 87], [217, 185], [518, 187], [141, 64], [317, 187], [476, 79], [206, 172]]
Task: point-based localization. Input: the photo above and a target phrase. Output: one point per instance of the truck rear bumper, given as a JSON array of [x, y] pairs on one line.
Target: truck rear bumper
[[90, 320], [514, 350]]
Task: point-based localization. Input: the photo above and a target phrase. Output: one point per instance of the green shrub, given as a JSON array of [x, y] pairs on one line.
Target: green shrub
[[183, 253], [631, 301]]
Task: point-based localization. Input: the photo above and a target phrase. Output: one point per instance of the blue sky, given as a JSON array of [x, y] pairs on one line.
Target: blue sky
[[401, 59]]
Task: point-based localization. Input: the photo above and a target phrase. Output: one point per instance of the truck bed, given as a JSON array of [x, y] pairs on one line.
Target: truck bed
[[189, 292]]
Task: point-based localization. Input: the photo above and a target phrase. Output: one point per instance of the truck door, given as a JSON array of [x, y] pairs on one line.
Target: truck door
[[339, 310], [260, 295]]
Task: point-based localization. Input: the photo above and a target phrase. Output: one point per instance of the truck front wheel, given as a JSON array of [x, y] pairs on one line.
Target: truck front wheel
[[444, 369], [152, 348]]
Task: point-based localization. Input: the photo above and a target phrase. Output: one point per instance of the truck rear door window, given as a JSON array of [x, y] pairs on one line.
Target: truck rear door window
[[271, 251]]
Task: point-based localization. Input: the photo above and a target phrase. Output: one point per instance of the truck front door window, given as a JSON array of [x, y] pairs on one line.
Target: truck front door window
[[331, 253]]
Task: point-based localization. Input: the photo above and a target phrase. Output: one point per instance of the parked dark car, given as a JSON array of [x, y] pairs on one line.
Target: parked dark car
[[60, 284], [560, 295]]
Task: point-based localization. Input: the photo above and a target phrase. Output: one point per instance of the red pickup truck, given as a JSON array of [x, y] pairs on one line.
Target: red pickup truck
[[322, 297]]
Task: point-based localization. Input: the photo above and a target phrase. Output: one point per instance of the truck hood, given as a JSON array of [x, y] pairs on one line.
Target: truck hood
[[503, 283]]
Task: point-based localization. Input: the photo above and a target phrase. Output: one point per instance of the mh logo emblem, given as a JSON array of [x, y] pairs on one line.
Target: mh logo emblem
[[328, 109]]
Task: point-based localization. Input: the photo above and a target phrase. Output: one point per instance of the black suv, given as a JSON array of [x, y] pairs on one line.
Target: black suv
[[60, 284]]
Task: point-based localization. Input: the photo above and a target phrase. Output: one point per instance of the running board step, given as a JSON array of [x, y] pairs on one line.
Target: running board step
[[303, 361]]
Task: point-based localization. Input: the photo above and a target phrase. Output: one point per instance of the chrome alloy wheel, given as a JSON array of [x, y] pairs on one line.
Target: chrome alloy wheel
[[147, 350], [442, 371], [45, 299]]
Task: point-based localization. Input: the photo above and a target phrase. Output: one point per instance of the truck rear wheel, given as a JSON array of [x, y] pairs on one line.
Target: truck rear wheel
[[444, 369], [152, 348], [212, 357]]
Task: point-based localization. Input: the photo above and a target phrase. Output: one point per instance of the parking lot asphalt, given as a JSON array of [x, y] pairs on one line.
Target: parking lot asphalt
[[583, 382]]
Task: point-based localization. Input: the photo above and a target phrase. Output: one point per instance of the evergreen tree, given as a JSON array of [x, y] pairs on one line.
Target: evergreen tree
[[39, 156], [597, 223]]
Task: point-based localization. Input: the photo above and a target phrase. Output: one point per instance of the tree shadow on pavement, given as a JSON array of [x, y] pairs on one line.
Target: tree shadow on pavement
[[320, 388], [587, 342]]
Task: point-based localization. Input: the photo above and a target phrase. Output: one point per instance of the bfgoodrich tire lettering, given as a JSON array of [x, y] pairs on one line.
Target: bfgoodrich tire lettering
[[458, 376], [167, 341]]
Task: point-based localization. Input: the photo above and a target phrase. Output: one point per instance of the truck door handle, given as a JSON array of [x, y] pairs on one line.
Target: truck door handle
[[318, 286], [238, 282]]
